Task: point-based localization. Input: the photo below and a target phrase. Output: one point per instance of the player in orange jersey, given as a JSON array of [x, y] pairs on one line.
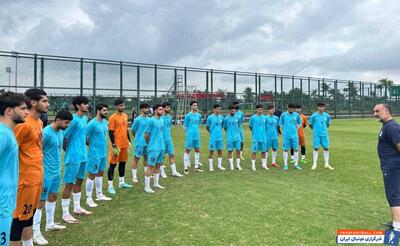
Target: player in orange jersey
[[120, 143], [29, 138]]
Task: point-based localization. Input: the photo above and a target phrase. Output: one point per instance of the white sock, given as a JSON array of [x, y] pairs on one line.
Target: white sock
[[241, 153], [219, 161], [134, 173], [285, 157], [303, 157], [147, 181], [396, 225], [156, 178], [231, 162], [37, 218], [210, 162], [196, 159], [264, 162], [28, 242], [237, 161], [99, 185], [145, 168], [50, 209], [315, 157], [162, 169], [266, 158], [65, 206], [326, 157], [173, 168], [296, 158], [253, 162], [186, 160], [77, 200], [110, 184], [89, 188], [121, 180], [274, 156]]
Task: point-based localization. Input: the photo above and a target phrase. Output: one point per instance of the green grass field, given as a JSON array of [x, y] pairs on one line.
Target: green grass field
[[245, 207]]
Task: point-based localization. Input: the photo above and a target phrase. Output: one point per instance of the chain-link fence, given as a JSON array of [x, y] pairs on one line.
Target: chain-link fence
[[105, 80]]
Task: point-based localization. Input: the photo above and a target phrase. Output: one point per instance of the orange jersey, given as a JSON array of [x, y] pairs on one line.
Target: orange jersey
[[29, 138], [118, 123], [304, 123]]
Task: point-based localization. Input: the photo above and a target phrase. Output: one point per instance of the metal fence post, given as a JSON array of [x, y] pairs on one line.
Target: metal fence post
[[212, 87], [281, 92], [349, 106], [175, 93], [138, 89], [94, 90], [301, 92], [234, 85], [292, 98], [259, 89], [35, 70], [81, 77], [155, 83], [335, 97], [207, 93], [121, 79], [362, 99], [41, 73], [275, 92], [309, 94]]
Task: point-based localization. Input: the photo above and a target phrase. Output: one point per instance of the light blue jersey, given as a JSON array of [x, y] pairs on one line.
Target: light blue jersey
[[52, 144], [76, 135], [239, 114], [232, 128], [258, 128], [214, 124], [167, 119], [272, 127], [191, 124], [320, 123], [290, 123], [138, 128], [97, 136], [8, 172], [155, 129]]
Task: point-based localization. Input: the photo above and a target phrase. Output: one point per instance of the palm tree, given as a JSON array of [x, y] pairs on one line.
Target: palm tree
[[385, 83]]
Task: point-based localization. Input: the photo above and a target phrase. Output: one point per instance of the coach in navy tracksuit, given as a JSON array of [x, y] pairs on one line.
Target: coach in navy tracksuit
[[389, 155]]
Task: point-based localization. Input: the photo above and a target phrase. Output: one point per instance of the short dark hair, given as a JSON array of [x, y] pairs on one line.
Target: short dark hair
[[79, 100], [11, 100], [291, 105], [320, 104], [100, 106], [63, 114], [216, 106], [270, 106], [388, 108], [166, 104], [156, 106], [34, 94], [192, 102], [232, 107], [118, 101], [297, 106], [144, 105], [236, 103], [259, 106]]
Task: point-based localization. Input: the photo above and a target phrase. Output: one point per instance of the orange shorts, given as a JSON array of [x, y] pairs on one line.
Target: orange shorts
[[122, 157], [27, 201], [302, 140]]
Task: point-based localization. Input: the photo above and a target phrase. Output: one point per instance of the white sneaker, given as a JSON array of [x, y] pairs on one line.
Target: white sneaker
[[200, 164], [91, 203], [221, 168], [163, 175], [159, 187], [231, 167], [135, 180], [102, 197], [177, 174], [82, 211], [69, 219], [327, 166], [211, 168], [253, 167], [40, 240], [239, 167], [55, 227], [314, 167], [148, 190], [265, 167]]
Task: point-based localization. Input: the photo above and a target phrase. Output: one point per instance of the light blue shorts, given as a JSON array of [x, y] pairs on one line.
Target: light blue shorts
[[96, 165], [258, 147], [73, 171], [140, 151], [50, 185], [290, 143], [272, 144], [5, 229], [215, 145], [233, 145], [192, 144], [321, 141], [155, 157]]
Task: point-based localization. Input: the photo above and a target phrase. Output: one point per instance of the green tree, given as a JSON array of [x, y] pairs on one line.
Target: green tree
[[248, 95], [385, 83]]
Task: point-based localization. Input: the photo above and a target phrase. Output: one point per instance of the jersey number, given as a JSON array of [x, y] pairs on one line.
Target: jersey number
[[3, 238], [27, 208]]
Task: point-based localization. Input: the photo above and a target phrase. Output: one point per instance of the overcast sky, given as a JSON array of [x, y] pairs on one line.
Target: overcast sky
[[345, 39]]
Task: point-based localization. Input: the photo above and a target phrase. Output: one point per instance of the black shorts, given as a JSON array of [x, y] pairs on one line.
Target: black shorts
[[391, 179]]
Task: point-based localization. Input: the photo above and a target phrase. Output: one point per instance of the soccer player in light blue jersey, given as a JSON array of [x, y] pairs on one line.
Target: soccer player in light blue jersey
[[319, 123], [52, 141], [214, 125], [13, 111], [97, 155], [258, 127], [232, 129], [155, 146], [240, 115], [169, 146], [192, 139], [290, 121], [140, 146], [75, 160], [272, 125]]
